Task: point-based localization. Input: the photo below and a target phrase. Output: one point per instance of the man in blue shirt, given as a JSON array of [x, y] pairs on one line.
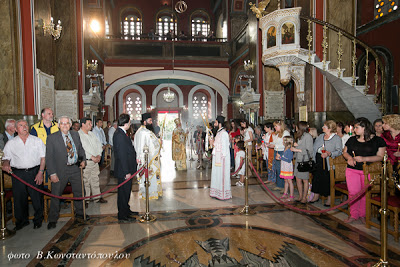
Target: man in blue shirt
[[99, 132]]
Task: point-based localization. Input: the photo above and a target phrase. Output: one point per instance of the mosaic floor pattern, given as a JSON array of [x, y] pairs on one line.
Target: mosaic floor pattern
[[214, 237]]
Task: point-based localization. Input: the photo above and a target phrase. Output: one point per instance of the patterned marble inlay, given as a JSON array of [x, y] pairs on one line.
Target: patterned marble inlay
[[216, 237]]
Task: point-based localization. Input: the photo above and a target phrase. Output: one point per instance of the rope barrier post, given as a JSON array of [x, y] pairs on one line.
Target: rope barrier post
[[384, 212], [83, 194], [147, 217], [246, 209], [5, 233]]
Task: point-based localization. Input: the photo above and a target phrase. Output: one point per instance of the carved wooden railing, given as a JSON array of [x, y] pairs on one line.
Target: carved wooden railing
[[380, 97]]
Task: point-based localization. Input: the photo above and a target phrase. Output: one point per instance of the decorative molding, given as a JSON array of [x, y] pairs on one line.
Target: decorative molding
[[281, 13], [299, 51], [210, 81]]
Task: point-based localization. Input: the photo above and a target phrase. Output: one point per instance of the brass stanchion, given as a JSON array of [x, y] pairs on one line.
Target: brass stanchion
[[5, 233], [147, 217], [246, 209], [384, 211]]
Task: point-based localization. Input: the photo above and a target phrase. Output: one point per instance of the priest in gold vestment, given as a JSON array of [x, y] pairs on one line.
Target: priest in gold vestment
[[179, 146]]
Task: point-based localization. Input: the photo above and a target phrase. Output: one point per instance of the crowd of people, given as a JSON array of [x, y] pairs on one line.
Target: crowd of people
[[283, 149], [66, 152], [56, 151]]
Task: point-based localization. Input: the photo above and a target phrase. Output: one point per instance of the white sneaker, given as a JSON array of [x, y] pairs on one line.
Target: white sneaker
[[239, 183]]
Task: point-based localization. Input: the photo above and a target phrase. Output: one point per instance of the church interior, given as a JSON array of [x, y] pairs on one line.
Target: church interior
[[290, 60]]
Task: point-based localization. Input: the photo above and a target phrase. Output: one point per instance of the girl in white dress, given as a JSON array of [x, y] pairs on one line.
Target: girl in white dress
[[239, 159]]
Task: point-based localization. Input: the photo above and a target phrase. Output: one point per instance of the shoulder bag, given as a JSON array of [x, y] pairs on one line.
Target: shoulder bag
[[306, 166]]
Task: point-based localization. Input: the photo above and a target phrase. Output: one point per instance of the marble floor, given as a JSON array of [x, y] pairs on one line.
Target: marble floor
[[193, 229]]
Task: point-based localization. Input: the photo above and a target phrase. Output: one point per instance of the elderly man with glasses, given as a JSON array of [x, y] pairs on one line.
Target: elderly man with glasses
[[64, 156]]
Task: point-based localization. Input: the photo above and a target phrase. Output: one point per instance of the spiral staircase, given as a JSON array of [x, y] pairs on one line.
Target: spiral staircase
[[291, 59]]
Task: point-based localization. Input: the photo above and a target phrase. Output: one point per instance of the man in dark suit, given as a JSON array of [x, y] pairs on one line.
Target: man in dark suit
[[125, 166], [9, 133], [64, 156]]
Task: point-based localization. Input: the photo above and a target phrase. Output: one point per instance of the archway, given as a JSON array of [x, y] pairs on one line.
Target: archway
[[135, 87], [134, 78], [212, 99], [163, 86]]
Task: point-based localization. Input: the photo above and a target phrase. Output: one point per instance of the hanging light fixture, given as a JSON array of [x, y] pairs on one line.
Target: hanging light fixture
[[52, 29], [169, 96]]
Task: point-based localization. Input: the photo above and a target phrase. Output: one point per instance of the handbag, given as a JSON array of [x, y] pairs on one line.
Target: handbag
[[306, 166]]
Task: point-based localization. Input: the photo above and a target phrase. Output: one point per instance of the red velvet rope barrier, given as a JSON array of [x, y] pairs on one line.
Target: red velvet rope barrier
[[362, 191], [75, 198]]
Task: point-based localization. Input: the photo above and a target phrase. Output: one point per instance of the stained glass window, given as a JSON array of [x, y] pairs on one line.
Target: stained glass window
[[384, 7]]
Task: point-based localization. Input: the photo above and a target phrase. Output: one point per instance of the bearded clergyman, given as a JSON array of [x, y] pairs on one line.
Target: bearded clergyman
[[146, 137], [220, 187], [179, 146]]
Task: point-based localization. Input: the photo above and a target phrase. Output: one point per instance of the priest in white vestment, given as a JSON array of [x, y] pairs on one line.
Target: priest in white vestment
[[143, 137], [220, 174]]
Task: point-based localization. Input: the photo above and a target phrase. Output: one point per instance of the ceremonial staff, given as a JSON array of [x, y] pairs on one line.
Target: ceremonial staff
[[161, 138], [209, 134]]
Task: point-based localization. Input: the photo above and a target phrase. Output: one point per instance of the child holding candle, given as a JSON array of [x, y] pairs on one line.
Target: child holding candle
[[239, 160], [268, 138], [287, 168], [236, 139], [278, 146]]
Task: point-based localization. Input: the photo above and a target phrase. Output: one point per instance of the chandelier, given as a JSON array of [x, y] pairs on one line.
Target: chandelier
[[248, 65], [168, 96], [53, 30], [92, 66]]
